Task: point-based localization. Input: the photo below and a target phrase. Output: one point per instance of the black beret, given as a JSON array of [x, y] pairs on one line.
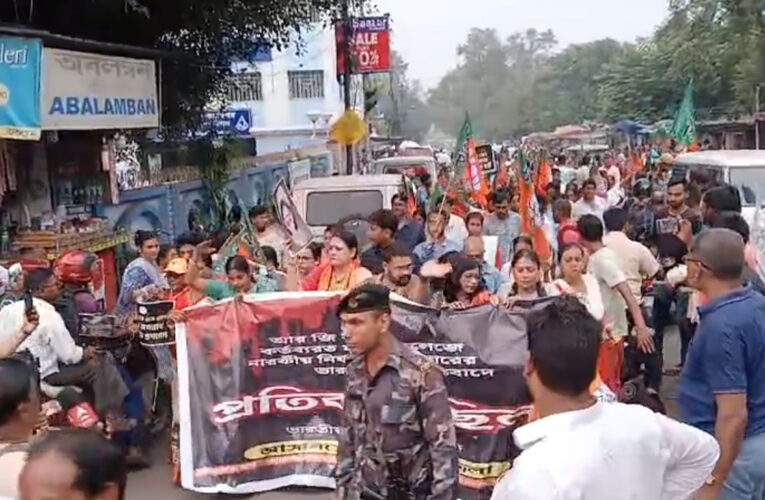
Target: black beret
[[364, 298]]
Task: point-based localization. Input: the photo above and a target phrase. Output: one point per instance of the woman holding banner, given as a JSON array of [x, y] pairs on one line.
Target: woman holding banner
[[576, 282], [143, 281], [342, 271], [464, 288], [526, 269], [239, 280]]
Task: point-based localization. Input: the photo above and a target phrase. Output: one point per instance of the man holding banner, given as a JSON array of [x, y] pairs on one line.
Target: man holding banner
[[398, 440]]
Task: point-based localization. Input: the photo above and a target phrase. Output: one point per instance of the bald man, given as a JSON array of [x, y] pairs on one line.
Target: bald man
[[475, 250], [722, 386]]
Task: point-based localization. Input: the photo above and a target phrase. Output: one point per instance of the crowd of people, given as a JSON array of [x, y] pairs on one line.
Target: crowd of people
[[630, 254]]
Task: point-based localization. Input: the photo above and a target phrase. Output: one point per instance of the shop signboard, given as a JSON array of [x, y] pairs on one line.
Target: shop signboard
[[20, 88], [86, 91], [370, 45]]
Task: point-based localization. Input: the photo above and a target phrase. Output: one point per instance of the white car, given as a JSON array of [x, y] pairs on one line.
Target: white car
[[744, 169]]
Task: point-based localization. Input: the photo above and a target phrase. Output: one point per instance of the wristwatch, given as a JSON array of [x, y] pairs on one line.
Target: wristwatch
[[710, 481]]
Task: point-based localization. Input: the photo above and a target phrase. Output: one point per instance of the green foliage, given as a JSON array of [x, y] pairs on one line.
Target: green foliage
[[403, 112], [523, 85]]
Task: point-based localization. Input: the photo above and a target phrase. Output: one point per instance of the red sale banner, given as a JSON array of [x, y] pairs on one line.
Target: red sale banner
[[370, 45]]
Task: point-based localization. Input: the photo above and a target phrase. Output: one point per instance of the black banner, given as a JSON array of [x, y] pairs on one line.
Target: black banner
[[262, 384]]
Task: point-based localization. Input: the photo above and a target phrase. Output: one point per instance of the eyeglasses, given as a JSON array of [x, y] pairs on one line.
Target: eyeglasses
[[690, 258]]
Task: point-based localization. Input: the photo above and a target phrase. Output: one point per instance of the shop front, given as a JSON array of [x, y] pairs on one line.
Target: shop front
[[58, 166]]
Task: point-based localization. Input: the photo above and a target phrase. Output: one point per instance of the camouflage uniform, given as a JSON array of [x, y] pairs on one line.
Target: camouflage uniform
[[398, 440]]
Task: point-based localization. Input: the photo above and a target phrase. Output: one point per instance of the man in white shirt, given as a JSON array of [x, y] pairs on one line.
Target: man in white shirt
[[456, 230], [61, 362], [581, 449], [603, 265], [591, 203], [635, 260]]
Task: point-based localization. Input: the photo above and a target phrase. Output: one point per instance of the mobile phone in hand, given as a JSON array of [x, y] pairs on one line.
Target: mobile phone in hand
[[29, 306]]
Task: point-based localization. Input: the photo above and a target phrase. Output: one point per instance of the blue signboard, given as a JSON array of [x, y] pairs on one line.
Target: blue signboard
[[20, 61], [260, 52], [236, 122]]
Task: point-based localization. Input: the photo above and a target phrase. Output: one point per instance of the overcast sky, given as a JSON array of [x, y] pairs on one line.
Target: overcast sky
[[427, 32]]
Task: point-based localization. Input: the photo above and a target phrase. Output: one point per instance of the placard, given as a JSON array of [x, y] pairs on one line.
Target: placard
[[154, 329], [289, 217]]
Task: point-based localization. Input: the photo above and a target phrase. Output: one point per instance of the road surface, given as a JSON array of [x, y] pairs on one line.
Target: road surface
[[155, 483]]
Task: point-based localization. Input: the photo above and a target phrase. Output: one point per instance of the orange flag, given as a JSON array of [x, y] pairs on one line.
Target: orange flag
[[544, 177], [476, 181], [532, 221]]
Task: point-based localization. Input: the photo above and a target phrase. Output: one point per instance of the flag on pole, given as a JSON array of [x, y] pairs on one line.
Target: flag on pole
[[544, 177], [684, 127], [467, 159], [530, 213]]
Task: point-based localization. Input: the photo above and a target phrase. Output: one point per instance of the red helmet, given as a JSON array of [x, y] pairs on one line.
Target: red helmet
[[75, 267]]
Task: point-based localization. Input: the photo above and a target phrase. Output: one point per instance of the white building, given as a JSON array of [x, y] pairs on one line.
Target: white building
[[295, 96]]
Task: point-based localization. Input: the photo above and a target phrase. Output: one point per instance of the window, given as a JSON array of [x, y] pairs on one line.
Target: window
[[306, 84], [324, 208], [244, 87], [315, 15]]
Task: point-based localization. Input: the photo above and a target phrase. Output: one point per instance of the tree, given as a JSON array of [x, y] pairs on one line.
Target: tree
[[521, 86], [201, 36], [400, 103]]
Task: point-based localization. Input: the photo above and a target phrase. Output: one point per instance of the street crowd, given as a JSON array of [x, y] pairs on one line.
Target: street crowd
[[628, 254]]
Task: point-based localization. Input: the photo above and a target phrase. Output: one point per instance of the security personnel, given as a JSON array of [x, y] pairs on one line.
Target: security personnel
[[398, 440]]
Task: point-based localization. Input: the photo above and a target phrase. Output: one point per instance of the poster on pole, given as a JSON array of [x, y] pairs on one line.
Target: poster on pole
[[289, 217], [369, 45]]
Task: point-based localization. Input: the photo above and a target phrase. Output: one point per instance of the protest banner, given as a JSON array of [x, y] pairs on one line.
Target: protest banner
[[153, 327], [262, 381]]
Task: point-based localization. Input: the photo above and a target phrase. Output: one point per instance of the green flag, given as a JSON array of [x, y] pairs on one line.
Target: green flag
[[684, 127], [461, 153]]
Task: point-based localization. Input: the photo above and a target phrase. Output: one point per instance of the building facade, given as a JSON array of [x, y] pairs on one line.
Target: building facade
[[293, 94]]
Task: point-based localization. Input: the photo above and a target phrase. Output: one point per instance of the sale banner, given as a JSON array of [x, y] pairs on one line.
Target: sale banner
[[262, 382], [370, 45]]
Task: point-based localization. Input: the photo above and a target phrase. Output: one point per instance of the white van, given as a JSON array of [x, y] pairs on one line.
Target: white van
[[324, 201], [744, 169], [400, 164]]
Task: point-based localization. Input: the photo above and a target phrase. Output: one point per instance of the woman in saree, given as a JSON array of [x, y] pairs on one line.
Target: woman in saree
[[341, 272]]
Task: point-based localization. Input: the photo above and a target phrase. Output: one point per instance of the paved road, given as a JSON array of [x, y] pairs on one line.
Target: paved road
[[155, 482]]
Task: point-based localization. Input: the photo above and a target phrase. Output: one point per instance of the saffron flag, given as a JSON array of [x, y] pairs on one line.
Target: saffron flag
[[467, 159], [544, 177], [684, 127], [530, 213]]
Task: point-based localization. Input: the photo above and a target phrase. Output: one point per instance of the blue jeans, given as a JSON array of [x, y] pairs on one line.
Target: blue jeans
[[746, 480]]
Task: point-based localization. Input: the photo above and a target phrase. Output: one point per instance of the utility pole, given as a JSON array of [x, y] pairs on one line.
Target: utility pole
[[756, 117], [347, 77]]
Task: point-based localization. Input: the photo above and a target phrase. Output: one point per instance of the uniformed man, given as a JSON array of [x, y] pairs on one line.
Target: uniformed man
[[398, 440]]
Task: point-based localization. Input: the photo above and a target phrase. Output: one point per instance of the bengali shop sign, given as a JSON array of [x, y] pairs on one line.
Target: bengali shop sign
[[262, 381], [86, 91], [370, 45]]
